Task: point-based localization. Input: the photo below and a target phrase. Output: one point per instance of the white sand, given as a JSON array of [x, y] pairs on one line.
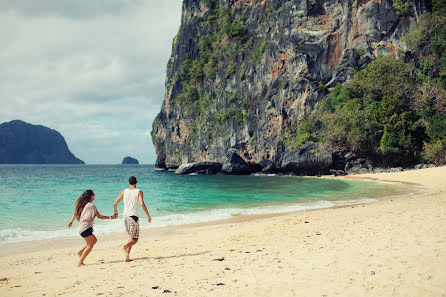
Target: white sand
[[390, 248]]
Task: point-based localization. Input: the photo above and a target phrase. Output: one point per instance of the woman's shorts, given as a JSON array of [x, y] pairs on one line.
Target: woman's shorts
[[87, 232]]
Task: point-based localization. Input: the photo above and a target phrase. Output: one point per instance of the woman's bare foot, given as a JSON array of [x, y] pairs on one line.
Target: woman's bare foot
[[128, 260], [80, 264], [80, 253]]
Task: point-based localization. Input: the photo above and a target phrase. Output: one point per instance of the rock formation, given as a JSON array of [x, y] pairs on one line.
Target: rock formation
[[199, 168], [129, 160], [243, 72], [23, 143]]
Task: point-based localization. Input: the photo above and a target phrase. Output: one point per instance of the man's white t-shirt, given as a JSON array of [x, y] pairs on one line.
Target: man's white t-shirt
[[131, 202]]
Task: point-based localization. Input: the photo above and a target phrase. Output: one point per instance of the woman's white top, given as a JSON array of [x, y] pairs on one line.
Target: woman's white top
[[131, 202], [86, 219]]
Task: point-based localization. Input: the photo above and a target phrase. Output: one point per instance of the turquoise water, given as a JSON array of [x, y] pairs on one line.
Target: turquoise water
[[37, 201]]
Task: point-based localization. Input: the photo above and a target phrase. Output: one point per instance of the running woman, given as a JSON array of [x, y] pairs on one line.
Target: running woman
[[85, 212]]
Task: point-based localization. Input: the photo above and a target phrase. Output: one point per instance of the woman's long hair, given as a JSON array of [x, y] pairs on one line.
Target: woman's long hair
[[81, 202]]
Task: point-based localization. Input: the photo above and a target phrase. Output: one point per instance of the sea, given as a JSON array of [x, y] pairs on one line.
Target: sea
[[37, 201]]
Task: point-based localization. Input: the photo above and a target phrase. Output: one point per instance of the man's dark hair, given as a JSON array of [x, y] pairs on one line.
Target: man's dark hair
[[132, 180]]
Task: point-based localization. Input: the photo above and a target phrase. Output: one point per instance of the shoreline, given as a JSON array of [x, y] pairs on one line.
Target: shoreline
[[394, 247], [29, 246]]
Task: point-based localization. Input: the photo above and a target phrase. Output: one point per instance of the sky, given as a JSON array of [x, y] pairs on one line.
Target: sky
[[92, 70]]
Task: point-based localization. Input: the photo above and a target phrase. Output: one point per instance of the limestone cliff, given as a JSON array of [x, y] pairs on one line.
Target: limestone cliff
[[243, 72]]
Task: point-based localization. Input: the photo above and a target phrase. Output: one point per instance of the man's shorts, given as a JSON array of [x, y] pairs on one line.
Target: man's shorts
[[131, 227]]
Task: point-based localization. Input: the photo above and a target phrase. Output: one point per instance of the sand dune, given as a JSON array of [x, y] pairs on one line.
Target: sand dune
[[395, 247]]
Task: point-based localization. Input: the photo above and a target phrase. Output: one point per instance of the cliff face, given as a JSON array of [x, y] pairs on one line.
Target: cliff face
[[23, 143], [243, 73]]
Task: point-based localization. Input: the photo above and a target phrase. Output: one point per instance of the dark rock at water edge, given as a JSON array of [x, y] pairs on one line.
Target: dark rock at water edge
[[423, 166], [358, 166], [130, 160], [307, 160], [199, 168], [24, 143], [234, 164]]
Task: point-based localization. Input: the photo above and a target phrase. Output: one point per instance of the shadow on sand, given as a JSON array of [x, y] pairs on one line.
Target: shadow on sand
[[150, 258]]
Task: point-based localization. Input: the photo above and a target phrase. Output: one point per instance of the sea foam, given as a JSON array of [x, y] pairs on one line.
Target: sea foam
[[112, 226]]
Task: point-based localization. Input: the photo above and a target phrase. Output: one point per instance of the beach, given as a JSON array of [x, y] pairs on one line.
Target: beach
[[393, 247]]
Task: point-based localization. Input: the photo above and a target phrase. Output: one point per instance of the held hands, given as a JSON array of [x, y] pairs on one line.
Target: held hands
[[115, 216]]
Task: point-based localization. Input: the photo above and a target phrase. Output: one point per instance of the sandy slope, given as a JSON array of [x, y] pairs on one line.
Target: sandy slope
[[390, 248]]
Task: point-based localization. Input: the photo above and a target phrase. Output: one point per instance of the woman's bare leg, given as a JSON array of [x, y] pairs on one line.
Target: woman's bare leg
[[91, 241], [80, 252]]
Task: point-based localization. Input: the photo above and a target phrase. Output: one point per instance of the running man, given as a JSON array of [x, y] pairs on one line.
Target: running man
[[131, 197]]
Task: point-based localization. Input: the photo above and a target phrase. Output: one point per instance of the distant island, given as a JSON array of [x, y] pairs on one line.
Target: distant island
[[24, 143], [129, 160]]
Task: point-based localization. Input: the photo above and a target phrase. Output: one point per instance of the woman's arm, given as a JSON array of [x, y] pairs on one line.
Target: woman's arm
[[71, 221], [102, 217]]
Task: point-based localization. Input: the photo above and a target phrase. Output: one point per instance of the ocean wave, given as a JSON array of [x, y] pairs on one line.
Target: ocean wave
[[263, 174], [113, 226]]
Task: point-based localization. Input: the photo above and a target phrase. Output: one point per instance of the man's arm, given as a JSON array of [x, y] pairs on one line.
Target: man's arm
[[115, 205], [143, 205]]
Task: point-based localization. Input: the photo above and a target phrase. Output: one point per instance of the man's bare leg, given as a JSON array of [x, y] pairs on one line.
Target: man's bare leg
[[128, 247]]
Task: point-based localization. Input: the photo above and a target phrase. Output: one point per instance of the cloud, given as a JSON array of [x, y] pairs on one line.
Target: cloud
[[70, 9], [78, 66]]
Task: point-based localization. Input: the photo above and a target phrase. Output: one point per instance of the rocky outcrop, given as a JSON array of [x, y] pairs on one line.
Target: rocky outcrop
[[243, 73], [234, 164], [23, 143], [130, 160], [307, 160], [199, 168]]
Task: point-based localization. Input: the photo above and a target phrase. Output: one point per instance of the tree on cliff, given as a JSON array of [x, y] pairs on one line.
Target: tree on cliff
[[394, 111]]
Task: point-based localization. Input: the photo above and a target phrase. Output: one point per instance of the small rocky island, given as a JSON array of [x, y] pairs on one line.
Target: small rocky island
[[129, 160], [24, 143]]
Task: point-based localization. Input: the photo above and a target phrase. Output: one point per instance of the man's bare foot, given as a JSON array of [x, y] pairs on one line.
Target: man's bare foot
[[126, 251], [80, 264], [80, 253], [128, 260]]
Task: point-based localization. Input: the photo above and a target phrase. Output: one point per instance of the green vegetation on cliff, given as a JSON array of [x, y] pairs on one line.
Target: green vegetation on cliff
[[221, 53], [392, 112]]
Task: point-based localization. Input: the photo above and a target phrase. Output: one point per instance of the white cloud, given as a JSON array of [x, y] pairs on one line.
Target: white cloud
[[92, 72]]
